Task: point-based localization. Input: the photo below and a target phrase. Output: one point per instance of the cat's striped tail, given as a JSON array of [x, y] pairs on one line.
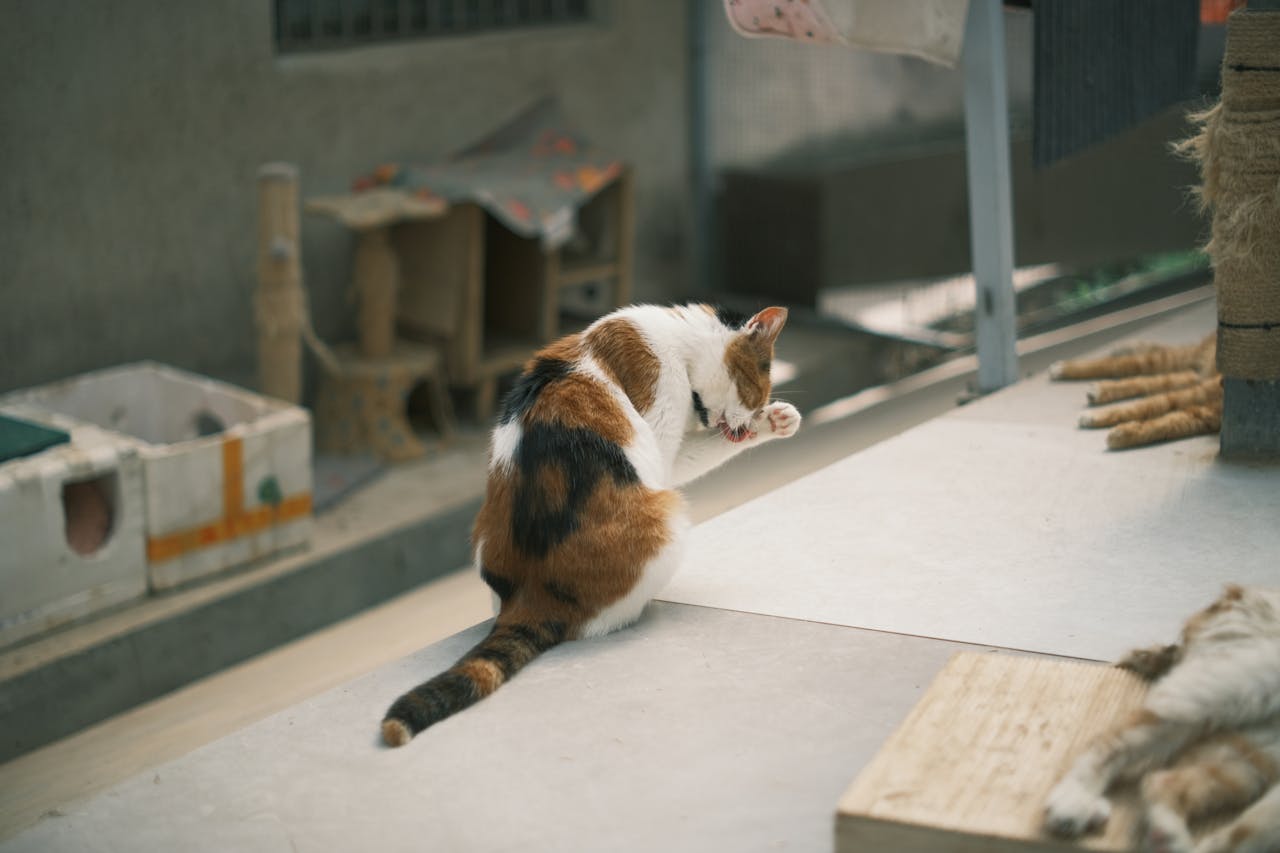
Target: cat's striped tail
[[494, 660]]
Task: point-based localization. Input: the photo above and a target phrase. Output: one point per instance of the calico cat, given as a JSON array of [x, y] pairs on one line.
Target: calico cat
[[581, 523], [1214, 712], [1179, 387]]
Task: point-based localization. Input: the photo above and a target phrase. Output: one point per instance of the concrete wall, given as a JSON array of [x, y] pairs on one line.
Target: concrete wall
[[130, 133]]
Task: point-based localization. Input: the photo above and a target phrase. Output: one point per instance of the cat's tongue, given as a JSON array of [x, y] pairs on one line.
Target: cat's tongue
[[734, 435]]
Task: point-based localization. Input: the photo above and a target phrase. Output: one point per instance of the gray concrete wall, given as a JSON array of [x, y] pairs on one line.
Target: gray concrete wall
[[130, 133]]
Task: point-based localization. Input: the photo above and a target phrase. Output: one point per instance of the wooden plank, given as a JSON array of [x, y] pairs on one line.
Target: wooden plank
[[970, 767], [376, 208], [441, 288], [576, 274]]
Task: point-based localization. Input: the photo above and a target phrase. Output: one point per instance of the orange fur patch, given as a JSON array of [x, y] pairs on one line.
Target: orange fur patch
[[1240, 833], [621, 529], [628, 360], [553, 486], [484, 673], [1152, 360], [568, 348], [747, 358], [580, 402], [1262, 763], [395, 733]]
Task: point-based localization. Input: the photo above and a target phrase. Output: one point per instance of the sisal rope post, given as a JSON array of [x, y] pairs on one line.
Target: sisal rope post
[[1238, 148], [279, 303], [377, 279]]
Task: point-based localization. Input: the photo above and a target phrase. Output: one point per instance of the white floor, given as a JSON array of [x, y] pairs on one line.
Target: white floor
[[780, 713], [1002, 524]]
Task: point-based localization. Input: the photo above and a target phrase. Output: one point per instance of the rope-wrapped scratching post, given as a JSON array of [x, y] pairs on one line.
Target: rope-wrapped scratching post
[[1239, 152]]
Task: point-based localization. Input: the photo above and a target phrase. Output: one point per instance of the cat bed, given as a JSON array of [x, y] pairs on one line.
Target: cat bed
[[970, 767]]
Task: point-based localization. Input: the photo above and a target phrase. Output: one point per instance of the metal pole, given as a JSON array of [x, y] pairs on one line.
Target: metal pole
[[986, 112]]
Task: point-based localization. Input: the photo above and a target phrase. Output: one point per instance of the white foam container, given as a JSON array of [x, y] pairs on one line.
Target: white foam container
[[226, 472], [44, 583]]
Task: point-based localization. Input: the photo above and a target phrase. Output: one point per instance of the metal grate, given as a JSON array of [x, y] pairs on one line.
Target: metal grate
[[308, 25]]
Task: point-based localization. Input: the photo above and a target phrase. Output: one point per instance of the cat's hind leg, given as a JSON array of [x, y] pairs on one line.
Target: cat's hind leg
[[1113, 390], [1078, 803], [1256, 830], [1226, 772]]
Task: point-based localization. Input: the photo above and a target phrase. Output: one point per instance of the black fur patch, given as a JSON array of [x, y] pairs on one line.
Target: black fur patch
[[561, 593], [447, 693], [499, 584], [729, 317], [498, 656], [703, 414], [509, 647], [522, 395], [584, 459], [529, 635]]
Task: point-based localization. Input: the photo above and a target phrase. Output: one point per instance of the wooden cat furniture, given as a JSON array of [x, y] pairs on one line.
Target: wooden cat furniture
[[362, 403], [363, 387]]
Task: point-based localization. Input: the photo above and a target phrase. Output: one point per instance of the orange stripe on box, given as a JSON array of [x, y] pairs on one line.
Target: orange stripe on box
[[232, 476], [160, 548]]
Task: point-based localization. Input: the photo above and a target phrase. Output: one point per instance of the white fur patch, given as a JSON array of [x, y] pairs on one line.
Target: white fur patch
[[502, 445]]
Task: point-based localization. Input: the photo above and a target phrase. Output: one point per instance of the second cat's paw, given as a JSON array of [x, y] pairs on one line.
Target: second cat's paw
[[779, 420], [1072, 810], [1165, 832]]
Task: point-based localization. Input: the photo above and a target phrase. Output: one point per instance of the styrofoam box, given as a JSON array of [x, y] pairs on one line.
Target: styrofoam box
[[44, 582], [227, 472]]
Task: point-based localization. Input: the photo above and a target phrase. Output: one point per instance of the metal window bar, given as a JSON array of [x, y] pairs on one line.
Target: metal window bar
[[309, 25]]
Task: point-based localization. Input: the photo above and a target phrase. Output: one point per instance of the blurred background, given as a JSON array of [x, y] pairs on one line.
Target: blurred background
[[132, 132]]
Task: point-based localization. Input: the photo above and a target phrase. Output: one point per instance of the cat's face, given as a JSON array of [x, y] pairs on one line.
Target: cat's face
[[731, 390]]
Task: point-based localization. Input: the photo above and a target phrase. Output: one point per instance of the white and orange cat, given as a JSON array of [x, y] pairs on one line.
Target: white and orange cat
[[1205, 742], [581, 523]]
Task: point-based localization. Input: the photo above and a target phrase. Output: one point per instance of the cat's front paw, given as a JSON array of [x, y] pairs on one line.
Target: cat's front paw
[[1165, 832], [1072, 810], [778, 420]]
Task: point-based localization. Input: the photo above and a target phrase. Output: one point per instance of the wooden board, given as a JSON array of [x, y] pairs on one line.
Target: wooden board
[[970, 767], [378, 207]]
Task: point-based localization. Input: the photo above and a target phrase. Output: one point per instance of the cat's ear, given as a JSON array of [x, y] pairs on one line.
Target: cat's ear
[[767, 324]]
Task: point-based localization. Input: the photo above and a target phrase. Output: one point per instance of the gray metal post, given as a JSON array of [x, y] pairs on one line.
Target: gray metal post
[[986, 121]]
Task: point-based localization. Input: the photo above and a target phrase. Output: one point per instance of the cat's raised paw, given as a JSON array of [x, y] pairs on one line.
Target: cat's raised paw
[[779, 420], [1072, 810]]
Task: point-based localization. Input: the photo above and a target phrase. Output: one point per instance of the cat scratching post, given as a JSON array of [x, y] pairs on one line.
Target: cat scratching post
[[969, 769], [361, 406], [278, 304], [362, 399], [1239, 153]]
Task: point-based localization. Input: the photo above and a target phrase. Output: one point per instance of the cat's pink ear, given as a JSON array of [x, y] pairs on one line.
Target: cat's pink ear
[[768, 323]]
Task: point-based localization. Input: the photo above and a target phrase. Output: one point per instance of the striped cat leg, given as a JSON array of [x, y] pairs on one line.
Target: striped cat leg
[[1195, 420], [1257, 830], [1078, 803], [1224, 773], [1140, 360], [1113, 390], [1206, 392]]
